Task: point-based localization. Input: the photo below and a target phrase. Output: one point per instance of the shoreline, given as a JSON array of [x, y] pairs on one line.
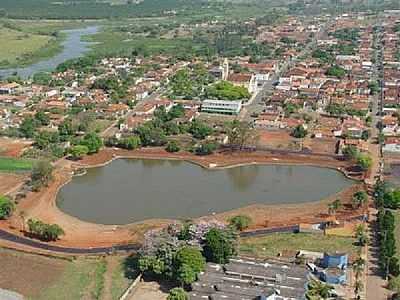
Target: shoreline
[[42, 205]]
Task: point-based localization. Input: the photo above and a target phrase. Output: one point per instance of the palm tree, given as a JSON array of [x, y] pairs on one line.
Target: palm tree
[[359, 199], [361, 235], [318, 290], [358, 266], [334, 206], [358, 287]]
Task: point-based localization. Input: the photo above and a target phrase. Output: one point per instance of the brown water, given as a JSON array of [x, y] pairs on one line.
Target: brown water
[[129, 190]]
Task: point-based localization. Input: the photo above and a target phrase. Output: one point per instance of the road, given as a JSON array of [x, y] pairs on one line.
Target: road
[[258, 103], [375, 285]]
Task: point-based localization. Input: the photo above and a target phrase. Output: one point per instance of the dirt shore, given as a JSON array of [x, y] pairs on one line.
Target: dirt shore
[[42, 205]]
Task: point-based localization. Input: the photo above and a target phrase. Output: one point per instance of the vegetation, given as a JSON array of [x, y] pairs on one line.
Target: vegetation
[[336, 71], [177, 294], [6, 207], [8, 164], [240, 222], [43, 231], [225, 90], [273, 244], [359, 199], [240, 134], [205, 148], [219, 245], [78, 151], [299, 132], [181, 264], [172, 146], [318, 290], [42, 174]]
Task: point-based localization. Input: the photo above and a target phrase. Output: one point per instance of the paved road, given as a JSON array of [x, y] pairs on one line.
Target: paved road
[[5, 235]]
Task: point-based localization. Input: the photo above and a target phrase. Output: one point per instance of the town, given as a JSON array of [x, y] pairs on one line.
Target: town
[[260, 162]]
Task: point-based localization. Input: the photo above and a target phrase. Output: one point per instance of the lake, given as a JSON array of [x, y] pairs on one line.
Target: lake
[[130, 190], [73, 47]]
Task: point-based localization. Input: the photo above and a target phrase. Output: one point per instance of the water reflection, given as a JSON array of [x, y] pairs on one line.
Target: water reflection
[[133, 190]]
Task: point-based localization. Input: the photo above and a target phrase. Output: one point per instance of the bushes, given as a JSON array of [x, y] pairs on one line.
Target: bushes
[[205, 148], [299, 132], [43, 231], [78, 151], [240, 222], [172, 146], [6, 207], [42, 174]]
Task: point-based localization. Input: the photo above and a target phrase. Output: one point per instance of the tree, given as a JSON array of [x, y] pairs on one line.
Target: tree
[[364, 161], [93, 142], [299, 132], [336, 71], [334, 206], [43, 231], [239, 134], [318, 290], [177, 294], [350, 152], [78, 151], [172, 146], [361, 235], [42, 118], [359, 199], [130, 143], [205, 148], [188, 263], [28, 127], [240, 222], [6, 207], [391, 199], [42, 174], [200, 130], [219, 245]]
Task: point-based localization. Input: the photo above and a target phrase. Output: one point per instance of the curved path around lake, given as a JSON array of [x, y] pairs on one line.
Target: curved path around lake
[[80, 234]]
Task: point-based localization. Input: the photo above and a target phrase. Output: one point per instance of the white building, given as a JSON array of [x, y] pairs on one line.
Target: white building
[[222, 106]]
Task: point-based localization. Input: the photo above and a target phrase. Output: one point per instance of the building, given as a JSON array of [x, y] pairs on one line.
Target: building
[[250, 279], [222, 107]]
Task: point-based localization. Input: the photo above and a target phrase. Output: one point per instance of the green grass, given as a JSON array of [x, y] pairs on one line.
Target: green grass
[[119, 281], [15, 165], [101, 268], [77, 282], [271, 245]]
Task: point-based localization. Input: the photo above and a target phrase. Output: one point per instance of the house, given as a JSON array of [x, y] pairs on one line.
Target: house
[[9, 88], [148, 107], [390, 125], [222, 106], [245, 80]]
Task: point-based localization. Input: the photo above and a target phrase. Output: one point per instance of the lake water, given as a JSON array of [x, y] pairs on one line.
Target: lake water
[[129, 190], [73, 47]]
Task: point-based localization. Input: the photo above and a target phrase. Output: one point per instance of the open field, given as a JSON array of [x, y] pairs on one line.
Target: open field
[[42, 278], [271, 245], [8, 164]]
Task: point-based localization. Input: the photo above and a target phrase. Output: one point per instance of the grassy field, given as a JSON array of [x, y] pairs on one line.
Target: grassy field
[[41, 278], [27, 42], [17, 46], [271, 245], [8, 164]]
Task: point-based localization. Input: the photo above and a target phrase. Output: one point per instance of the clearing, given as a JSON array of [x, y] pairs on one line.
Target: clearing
[[270, 245]]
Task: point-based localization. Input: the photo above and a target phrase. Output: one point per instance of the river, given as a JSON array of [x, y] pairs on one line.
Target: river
[[130, 190], [73, 47]]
